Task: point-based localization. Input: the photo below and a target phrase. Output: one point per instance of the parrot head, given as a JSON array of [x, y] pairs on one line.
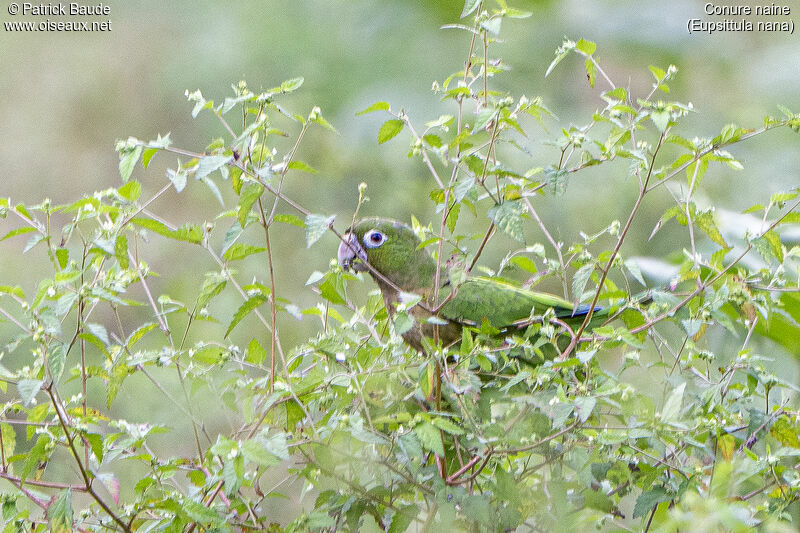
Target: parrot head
[[392, 249]]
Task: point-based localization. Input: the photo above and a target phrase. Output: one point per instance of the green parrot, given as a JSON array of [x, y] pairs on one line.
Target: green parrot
[[397, 263]]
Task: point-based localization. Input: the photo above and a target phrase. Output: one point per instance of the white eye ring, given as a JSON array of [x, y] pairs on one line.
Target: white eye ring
[[374, 238]]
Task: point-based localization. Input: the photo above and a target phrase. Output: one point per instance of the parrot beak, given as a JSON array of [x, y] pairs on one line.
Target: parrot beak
[[351, 255]]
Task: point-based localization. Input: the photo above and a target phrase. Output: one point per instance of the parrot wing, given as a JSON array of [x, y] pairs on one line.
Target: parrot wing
[[503, 304]]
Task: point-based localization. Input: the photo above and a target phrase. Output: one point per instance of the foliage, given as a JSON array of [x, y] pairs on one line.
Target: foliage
[[648, 423]]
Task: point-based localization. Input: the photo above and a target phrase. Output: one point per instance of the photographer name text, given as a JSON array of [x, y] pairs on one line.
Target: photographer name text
[[48, 14]]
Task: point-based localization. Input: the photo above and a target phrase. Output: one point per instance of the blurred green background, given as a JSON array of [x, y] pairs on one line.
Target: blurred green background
[[66, 97]]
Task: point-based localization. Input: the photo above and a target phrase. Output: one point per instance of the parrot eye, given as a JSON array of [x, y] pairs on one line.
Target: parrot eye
[[374, 238]]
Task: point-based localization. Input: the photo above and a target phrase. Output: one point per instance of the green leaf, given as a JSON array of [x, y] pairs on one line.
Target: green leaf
[[403, 518], [657, 72], [138, 333], [199, 512], [377, 106], [591, 72], [660, 118], [189, 233], [469, 7], [584, 405], [59, 513], [587, 47], [239, 251], [121, 251], [19, 231], [208, 355], [316, 226], [233, 474], [256, 354], [389, 130], [290, 219], [672, 406], [245, 310], [28, 389], [649, 499], [332, 289], [131, 190], [292, 84], [429, 436], [247, 198], [580, 279], [38, 453], [255, 451], [508, 217], [775, 245], [447, 425], [403, 322], [785, 432], [62, 255], [209, 164], [56, 359], [16, 291], [127, 161], [492, 25], [95, 441], [177, 178], [304, 167]]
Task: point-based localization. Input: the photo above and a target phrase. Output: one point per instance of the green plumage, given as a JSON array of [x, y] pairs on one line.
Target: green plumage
[[398, 264]]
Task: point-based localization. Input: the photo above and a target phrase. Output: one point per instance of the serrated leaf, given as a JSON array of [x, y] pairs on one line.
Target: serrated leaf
[[255, 452], [469, 7], [256, 354], [304, 167], [389, 130], [584, 405], [580, 279], [28, 389], [403, 322], [591, 72], [673, 404], [199, 512], [292, 84], [138, 333], [131, 190], [189, 233], [587, 47], [59, 513], [121, 251], [238, 251], [316, 226], [127, 162], [508, 217], [56, 359], [177, 178], [447, 425], [245, 310], [785, 432], [19, 231], [211, 163], [429, 437], [649, 499], [377, 106], [247, 198], [492, 25], [660, 119], [290, 219], [726, 445], [705, 221]]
